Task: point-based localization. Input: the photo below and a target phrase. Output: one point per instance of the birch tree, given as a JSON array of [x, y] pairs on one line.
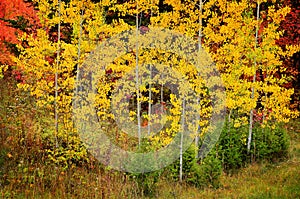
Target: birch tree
[[239, 55], [49, 63]]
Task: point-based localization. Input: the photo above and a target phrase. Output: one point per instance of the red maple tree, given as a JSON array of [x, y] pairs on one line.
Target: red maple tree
[[16, 17], [291, 27]]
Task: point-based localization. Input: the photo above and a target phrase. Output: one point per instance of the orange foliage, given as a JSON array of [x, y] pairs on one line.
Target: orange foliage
[[16, 16]]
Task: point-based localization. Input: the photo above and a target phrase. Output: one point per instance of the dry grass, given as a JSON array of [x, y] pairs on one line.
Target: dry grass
[[264, 180]]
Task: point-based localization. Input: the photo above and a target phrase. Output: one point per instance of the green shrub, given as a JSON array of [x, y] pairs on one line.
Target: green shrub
[[232, 147], [207, 172], [146, 182], [200, 174], [269, 143]]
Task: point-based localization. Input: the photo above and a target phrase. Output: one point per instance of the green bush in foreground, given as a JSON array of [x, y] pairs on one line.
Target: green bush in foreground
[[269, 143], [195, 172]]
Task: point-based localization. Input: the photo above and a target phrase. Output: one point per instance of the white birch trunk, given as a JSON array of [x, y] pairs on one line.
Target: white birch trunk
[[198, 99], [150, 87], [253, 81], [149, 103], [181, 140], [79, 51], [137, 78]]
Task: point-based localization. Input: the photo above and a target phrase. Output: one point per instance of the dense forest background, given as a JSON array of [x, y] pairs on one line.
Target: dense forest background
[[254, 46]]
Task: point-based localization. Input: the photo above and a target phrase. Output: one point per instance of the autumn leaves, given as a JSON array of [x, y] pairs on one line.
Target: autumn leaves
[[240, 39]]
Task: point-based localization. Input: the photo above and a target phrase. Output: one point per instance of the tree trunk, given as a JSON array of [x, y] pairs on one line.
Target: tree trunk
[[181, 140], [149, 103], [79, 53], [253, 81], [137, 78], [198, 99]]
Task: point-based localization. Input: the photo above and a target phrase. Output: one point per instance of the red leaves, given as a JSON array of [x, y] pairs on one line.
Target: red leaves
[[291, 27], [16, 17], [12, 12], [17, 74]]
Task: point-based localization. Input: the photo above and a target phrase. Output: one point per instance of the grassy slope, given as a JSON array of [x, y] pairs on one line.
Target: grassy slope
[[280, 180]]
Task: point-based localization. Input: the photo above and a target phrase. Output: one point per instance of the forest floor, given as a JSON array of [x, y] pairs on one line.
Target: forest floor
[[258, 180], [261, 180]]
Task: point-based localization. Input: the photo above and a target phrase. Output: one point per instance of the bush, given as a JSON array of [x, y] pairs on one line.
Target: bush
[[232, 147], [207, 173], [270, 143], [200, 174], [146, 182]]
